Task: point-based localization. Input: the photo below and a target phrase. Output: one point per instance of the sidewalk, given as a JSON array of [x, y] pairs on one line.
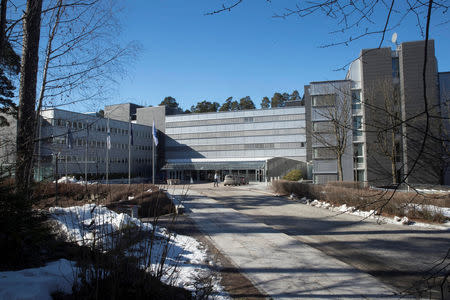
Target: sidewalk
[[279, 265]]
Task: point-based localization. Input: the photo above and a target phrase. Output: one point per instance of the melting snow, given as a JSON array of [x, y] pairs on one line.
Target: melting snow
[[185, 263]]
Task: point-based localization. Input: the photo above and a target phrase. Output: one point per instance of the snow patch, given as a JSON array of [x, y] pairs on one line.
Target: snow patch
[[38, 283], [185, 258], [373, 214]]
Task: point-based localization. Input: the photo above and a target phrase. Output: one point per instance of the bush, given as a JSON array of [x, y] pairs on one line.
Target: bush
[[385, 202], [294, 175], [24, 233]]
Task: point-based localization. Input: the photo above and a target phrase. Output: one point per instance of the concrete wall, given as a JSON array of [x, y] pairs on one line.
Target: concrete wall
[[444, 86], [411, 57], [122, 112], [376, 78], [146, 116]]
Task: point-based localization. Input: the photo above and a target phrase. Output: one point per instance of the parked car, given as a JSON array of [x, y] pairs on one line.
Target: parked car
[[243, 179], [231, 180]]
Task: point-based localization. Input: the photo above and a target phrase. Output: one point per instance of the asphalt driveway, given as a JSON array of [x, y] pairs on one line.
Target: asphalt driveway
[[277, 240]]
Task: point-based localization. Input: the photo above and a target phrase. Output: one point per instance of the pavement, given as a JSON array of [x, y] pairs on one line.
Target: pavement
[[277, 263]]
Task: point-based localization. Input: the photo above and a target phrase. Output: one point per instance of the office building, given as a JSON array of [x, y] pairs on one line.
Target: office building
[[384, 92], [260, 143]]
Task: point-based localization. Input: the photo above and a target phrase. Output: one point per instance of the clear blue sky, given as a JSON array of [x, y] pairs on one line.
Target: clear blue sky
[[245, 52]]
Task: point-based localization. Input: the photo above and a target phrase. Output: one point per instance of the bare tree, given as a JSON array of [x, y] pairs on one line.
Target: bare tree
[[333, 131], [79, 59], [386, 124]]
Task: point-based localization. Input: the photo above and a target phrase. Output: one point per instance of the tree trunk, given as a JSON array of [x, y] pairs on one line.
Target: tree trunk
[[27, 94], [393, 158], [3, 6], [339, 165]]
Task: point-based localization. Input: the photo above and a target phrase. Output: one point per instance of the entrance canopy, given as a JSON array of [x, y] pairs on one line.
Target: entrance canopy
[[216, 164]]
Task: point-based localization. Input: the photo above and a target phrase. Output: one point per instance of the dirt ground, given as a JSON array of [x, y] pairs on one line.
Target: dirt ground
[[234, 282]]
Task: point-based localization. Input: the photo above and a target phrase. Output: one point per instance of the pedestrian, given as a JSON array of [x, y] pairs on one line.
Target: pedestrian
[[216, 179]]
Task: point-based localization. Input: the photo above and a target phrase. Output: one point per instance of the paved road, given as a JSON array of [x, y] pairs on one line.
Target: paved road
[[270, 239]]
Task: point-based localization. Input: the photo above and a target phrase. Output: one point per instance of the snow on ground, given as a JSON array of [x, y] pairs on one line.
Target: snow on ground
[[186, 263], [38, 283], [90, 223], [186, 259], [432, 208], [373, 215]]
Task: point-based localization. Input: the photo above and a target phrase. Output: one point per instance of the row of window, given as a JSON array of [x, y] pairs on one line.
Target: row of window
[[330, 100], [100, 159], [261, 119], [234, 147], [99, 128], [328, 127], [324, 100], [61, 140], [243, 133], [329, 153]]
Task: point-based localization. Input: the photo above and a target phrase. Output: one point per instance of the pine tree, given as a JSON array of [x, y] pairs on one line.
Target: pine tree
[[172, 107], [246, 103], [7, 106], [226, 106], [265, 103], [277, 100]]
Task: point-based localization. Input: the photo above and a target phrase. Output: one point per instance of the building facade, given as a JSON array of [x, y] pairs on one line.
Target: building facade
[[444, 95], [330, 145], [388, 126], [75, 143], [239, 142], [384, 123]]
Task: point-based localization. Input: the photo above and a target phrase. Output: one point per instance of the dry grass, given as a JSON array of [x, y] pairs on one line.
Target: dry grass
[[385, 202], [152, 201]]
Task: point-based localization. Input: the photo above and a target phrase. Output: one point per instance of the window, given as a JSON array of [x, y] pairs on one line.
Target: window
[[357, 125], [248, 119], [395, 68], [324, 100], [323, 126], [358, 154], [322, 153], [359, 175], [356, 99]]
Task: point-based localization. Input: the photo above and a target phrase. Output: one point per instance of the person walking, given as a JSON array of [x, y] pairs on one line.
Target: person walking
[[216, 179]]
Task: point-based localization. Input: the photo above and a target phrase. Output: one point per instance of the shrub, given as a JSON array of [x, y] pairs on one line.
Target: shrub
[[385, 202], [294, 175], [24, 233]]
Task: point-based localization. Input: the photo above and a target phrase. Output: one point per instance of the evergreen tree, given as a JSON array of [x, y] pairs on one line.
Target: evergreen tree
[[7, 106], [286, 98], [295, 96], [277, 100], [246, 103], [172, 107], [9, 66], [265, 103], [205, 106], [226, 106], [235, 106]]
